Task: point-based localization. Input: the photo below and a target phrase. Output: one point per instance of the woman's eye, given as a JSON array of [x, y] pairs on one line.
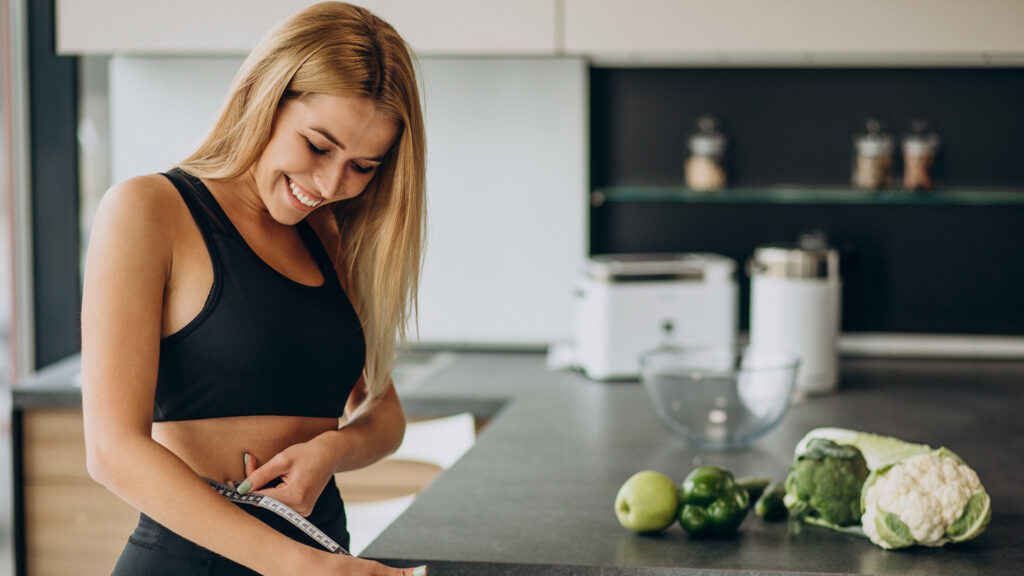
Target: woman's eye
[[314, 149], [363, 169]]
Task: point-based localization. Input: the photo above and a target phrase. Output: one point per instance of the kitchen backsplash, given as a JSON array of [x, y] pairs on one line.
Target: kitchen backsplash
[[796, 125], [917, 267]]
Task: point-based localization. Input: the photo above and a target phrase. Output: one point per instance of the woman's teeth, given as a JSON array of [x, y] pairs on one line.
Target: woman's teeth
[[305, 200]]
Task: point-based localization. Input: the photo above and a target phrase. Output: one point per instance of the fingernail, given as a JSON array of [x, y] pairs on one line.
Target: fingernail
[[244, 488], [419, 570], [245, 459]]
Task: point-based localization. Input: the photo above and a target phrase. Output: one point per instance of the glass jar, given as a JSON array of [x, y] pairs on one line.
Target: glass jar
[[872, 161], [704, 167], [920, 146]]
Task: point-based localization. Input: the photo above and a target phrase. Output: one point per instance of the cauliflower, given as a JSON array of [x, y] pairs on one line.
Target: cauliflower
[[917, 501], [914, 494]]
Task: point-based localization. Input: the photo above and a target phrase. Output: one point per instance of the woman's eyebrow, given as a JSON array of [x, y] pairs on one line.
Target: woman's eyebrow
[[323, 132]]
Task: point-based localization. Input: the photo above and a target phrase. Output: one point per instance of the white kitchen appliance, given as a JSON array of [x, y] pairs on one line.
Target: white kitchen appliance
[[629, 304], [795, 295]]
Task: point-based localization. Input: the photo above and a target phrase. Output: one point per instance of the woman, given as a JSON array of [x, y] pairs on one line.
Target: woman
[[240, 312]]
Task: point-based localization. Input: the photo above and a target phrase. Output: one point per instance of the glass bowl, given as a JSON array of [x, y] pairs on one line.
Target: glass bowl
[[719, 397]]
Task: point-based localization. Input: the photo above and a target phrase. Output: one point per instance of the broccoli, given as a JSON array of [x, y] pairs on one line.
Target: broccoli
[[824, 484], [913, 495]]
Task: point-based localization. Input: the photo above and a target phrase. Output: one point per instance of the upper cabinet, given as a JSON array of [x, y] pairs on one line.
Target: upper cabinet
[[233, 27], [796, 31], [641, 32]]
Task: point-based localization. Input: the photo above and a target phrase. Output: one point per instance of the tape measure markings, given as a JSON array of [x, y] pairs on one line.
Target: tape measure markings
[[282, 510]]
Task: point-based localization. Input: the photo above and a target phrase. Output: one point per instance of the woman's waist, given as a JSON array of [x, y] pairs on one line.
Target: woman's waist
[[214, 448], [328, 516]]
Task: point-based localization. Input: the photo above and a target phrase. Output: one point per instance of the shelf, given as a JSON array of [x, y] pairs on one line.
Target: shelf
[[798, 196]]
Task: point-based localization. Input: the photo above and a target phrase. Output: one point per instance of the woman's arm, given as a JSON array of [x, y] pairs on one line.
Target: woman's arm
[[129, 263], [370, 434]]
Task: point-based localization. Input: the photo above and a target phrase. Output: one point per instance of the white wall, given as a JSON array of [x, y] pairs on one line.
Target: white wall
[[507, 180]]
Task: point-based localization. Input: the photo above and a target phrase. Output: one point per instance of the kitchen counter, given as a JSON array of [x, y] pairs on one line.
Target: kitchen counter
[[535, 493]]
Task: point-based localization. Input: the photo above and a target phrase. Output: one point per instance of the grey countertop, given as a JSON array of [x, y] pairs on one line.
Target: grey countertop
[[535, 493]]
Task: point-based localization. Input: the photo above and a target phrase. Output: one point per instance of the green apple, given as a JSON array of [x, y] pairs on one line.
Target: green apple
[[647, 502]]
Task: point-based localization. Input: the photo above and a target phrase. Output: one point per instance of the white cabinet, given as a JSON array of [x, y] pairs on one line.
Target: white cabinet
[[775, 32], [232, 27], [507, 192], [795, 31]]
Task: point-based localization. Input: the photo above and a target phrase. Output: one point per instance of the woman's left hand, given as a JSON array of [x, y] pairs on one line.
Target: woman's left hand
[[303, 470]]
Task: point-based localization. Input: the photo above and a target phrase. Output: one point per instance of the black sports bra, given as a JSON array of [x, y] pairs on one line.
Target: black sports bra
[[263, 344]]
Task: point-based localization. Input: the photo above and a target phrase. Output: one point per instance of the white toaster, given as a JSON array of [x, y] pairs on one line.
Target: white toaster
[[629, 304]]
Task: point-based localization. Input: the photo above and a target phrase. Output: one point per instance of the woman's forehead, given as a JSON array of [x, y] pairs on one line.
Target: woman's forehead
[[348, 120]]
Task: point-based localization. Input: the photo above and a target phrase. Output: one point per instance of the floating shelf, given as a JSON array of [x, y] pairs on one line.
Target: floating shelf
[[798, 196]]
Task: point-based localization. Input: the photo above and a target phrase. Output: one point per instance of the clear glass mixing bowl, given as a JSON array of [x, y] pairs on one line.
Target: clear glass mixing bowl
[[719, 397]]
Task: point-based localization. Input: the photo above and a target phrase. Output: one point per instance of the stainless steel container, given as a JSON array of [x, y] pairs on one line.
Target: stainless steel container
[[795, 296]]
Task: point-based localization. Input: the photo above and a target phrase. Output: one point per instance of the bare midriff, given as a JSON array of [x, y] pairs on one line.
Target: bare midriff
[[214, 447]]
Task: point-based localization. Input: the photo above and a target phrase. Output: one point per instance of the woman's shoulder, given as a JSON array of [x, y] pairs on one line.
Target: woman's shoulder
[[143, 209], [141, 195]]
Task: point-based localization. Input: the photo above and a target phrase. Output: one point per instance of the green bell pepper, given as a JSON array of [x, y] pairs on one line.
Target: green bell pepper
[[771, 504], [712, 503]]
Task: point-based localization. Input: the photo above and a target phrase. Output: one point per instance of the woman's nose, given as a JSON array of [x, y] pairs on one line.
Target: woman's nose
[[330, 183]]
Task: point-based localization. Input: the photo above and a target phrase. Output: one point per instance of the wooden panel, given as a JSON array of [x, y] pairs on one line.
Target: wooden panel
[[54, 446], [73, 525], [76, 527], [74, 530], [387, 479]]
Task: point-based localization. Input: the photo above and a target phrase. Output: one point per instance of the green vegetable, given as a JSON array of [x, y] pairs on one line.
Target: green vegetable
[[712, 503], [754, 485], [825, 483], [913, 495], [771, 504]]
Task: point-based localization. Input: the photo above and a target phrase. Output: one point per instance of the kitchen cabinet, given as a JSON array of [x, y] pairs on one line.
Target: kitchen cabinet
[[432, 27], [640, 32], [722, 32], [73, 526]]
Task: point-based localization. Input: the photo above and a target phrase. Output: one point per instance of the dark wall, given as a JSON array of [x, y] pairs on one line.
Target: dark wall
[[53, 93], [795, 126], [906, 268]]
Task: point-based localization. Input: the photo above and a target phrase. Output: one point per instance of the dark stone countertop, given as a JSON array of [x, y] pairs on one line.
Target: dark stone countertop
[[535, 493]]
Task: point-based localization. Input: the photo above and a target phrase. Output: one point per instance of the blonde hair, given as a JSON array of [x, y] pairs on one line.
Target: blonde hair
[[341, 49]]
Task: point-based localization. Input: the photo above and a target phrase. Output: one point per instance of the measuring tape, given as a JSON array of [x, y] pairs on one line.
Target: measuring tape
[[281, 510]]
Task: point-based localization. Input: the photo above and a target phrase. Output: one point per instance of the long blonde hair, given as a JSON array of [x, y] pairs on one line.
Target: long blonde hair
[[341, 49]]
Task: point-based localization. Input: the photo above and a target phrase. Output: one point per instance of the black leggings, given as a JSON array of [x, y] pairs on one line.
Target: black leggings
[[153, 550]]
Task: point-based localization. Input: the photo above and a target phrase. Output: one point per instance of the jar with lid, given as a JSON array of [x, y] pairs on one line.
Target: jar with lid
[[920, 146], [704, 167], [795, 306], [872, 162]]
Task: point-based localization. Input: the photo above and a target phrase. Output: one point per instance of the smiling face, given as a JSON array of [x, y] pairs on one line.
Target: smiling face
[[322, 149]]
